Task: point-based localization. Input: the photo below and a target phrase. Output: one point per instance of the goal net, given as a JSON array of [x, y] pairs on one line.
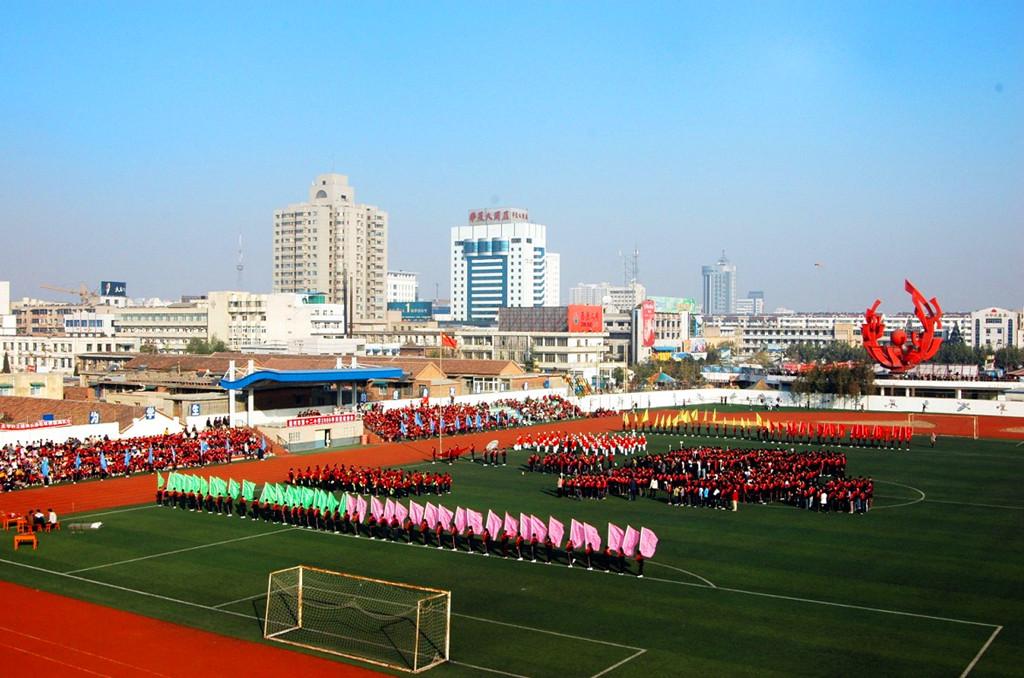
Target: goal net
[[396, 625]]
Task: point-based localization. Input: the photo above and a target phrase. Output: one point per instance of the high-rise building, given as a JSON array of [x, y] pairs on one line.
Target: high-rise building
[[719, 287], [402, 286], [553, 283], [334, 246], [752, 304], [499, 260], [622, 298]]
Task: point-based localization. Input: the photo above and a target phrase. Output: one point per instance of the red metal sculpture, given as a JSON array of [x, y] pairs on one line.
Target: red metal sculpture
[[898, 355]]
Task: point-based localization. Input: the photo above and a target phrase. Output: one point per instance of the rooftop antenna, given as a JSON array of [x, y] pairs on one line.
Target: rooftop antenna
[[240, 266]]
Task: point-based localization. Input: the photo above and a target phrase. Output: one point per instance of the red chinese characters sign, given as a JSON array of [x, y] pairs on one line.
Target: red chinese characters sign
[[497, 216], [899, 355], [584, 318]]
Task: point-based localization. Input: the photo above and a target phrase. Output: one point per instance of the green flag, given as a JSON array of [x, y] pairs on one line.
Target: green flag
[[264, 492], [332, 502], [204, 487], [159, 480], [218, 487], [248, 490], [232, 488], [343, 504], [307, 497], [291, 495]]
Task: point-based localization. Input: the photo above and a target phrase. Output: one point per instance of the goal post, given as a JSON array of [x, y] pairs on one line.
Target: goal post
[[399, 626]]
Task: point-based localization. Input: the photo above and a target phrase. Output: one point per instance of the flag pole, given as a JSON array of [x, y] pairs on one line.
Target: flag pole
[[440, 408]]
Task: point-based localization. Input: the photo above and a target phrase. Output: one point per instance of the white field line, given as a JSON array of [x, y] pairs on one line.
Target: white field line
[[679, 569], [618, 664], [906, 503], [982, 651], [484, 668], [80, 651], [184, 550], [966, 503], [55, 661], [75, 517]]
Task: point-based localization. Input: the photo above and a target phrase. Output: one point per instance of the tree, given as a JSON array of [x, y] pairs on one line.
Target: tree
[[842, 381], [1009, 358], [148, 347], [199, 346], [7, 363]]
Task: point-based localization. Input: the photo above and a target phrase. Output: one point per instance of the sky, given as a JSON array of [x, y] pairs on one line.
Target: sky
[[831, 149]]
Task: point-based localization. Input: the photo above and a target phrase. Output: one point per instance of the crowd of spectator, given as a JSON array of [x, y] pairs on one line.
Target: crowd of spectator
[[375, 481], [427, 421], [74, 460]]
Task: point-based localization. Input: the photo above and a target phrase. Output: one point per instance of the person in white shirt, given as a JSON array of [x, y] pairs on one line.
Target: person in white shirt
[[51, 518]]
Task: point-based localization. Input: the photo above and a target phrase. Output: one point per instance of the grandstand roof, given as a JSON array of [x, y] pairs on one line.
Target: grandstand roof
[[331, 376], [30, 410]]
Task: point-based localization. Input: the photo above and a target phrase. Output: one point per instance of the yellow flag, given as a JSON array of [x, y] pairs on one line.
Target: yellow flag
[[647, 417], [705, 415], [758, 418], [686, 417], [625, 420], [714, 415]]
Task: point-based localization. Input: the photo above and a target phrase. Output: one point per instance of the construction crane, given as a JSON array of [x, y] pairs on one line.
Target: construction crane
[[86, 295]]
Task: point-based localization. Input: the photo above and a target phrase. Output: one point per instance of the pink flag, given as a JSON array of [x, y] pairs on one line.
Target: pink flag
[[576, 535], [493, 523], [415, 512], [525, 528], [475, 520], [511, 526], [648, 543], [538, 529], [430, 515], [444, 515], [593, 536], [389, 510], [376, 508], [615, 535], [401, 513], [629, 541], [361, 508], [460, 519], [556, 529]]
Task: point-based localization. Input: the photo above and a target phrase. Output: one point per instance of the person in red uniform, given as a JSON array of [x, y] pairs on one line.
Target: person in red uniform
[[569, 549]]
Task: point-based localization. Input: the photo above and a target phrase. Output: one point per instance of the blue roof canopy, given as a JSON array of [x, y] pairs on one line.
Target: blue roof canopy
[[312, 376]]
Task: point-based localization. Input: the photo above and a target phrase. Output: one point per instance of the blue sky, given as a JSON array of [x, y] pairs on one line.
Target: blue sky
[[882, 140]]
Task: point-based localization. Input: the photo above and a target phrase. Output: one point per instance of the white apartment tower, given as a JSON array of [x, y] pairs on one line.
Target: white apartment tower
[[333, 245], [402, 286], [500, 259]]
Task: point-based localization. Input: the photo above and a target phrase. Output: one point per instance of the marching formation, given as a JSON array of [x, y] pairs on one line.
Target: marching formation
[[525, 537], [690, 422], [376, 481]]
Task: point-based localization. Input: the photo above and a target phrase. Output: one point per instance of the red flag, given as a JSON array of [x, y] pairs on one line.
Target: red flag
[[448, 341]]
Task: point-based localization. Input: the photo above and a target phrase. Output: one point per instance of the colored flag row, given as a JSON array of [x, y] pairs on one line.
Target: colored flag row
[[627, 540], [665, 420]]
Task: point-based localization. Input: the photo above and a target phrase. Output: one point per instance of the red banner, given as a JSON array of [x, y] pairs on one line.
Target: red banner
[[38, 424], [322, 420], [647, 323], [585, 318]]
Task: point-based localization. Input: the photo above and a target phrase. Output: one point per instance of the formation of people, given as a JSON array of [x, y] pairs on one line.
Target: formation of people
[[722, 478], [709, 424], [376, 481], [574, 454], [524, 538], [427, 421], [75, 460]]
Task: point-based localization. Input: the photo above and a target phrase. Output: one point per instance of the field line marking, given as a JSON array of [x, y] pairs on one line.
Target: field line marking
[[551, 633], [85, 652], [965, 503], [855, 607], [982, 651], [618, 664], [97, 582], [55, 661], [484, 668], [75, 517], [906, 503], [189, 548], [679, 569], [240, 600]]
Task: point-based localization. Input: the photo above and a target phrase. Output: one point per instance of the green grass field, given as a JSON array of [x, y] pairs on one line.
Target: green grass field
[[916, 587]]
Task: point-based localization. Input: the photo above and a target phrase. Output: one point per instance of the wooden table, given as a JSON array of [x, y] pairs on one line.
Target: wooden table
[[26, 539]]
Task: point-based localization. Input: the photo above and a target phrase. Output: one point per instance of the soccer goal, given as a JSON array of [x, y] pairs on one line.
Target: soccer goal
[[399, 626]]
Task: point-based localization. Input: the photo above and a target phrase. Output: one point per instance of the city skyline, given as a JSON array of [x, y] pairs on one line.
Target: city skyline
[[863, 144]]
